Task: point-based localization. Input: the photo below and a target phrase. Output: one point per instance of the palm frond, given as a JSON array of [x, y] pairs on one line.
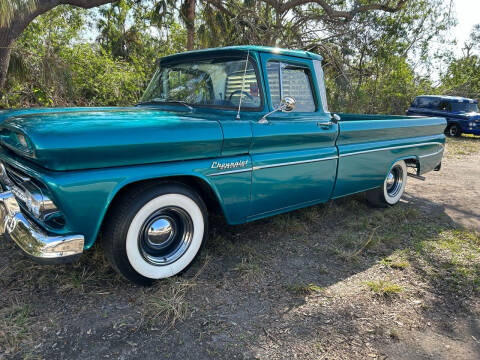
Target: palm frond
[[8, 9]]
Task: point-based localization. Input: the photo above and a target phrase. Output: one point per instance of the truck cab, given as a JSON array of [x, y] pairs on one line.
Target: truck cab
[[462, 114]]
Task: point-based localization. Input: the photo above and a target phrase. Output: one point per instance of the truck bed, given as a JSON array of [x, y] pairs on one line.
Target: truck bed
[[368, 144]]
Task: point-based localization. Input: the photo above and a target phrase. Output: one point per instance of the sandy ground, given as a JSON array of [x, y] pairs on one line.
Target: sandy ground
[[455, 190]]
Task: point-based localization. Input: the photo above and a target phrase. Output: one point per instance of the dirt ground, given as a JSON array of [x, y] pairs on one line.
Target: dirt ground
[[335, 281], [455, 190]]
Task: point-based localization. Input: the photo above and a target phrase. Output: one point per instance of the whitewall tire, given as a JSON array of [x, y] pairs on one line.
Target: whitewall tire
[[139, 259], [156, 232], [393, 187]]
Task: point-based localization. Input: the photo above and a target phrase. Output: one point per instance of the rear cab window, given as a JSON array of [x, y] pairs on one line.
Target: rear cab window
[[285, 79]]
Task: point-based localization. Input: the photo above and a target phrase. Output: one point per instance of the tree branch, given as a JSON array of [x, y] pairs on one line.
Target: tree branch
[[333, 13], [85, 4]]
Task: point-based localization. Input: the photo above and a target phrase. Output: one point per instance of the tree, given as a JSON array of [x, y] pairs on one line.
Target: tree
[[17, 14], [163, 15], [462, 77], [190, 23], [276, 22]]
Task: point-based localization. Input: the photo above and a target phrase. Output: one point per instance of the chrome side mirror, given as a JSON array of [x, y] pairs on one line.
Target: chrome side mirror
[[287, 104], [336, 118]]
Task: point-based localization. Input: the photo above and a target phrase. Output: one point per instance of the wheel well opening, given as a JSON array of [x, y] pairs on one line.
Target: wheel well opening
[[200, 186], [414, 164]]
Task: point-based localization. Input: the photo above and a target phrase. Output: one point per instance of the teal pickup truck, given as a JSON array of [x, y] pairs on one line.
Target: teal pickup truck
[[242, 131]]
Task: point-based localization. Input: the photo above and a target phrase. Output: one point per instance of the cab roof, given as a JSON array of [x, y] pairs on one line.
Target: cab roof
[[450, 98], [232, 50]]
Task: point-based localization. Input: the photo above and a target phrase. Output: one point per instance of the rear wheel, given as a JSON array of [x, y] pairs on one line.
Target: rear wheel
[[155, 232], [392, 189]]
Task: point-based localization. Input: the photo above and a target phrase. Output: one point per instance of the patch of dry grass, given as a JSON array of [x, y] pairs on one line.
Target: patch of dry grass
[[454, 256], [168, 304], [304, 289], [250, 269], [384, 287], [396, 261], [461, 146], [15, 324]]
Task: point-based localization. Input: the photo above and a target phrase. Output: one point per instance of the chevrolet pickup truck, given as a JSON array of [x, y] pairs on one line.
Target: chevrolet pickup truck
[[462, 114], [242, 131]]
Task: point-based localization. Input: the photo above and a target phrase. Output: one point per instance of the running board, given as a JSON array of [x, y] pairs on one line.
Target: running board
[[418, 177]]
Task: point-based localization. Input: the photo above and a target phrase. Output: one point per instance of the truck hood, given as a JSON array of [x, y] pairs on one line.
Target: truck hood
[[467, 116], [83, 138], [472, 116]]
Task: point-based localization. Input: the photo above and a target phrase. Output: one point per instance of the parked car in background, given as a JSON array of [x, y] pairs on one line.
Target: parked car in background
[[243, 131], [462, 114]]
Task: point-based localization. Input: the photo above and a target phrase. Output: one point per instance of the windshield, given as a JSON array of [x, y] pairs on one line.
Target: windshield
[[464, 107], [212, 82]]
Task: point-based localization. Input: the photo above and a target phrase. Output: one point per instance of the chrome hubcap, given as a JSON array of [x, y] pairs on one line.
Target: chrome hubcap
[[390, 180], [165, 236], [160, 232], [394, 181]]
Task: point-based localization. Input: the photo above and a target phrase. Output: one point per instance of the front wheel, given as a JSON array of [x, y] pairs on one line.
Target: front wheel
[[155, 232], [392, 189], [454, 130]]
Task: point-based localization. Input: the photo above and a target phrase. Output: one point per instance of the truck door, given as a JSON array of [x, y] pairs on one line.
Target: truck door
[[294, 156]]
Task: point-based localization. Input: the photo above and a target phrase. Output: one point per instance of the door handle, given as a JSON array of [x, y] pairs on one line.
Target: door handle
[[324, 124]]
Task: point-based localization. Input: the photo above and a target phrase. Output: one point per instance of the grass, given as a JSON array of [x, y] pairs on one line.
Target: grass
[[462, 146], [249, 268], [15, 324], [384, 287], [455, 256], [396, 261], [168, 304], [304, 289]]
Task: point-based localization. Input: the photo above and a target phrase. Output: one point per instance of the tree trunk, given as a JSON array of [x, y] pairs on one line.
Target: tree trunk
[[190, 24], [5, 51]]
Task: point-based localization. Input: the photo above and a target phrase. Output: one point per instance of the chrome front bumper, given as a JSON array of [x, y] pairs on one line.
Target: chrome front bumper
[[34, 241]]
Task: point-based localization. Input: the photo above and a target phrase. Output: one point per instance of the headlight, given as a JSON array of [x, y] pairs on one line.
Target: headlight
[[471, 124], [22, 140]]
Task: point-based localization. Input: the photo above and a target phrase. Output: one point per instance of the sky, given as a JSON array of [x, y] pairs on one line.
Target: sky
[[468, 14]]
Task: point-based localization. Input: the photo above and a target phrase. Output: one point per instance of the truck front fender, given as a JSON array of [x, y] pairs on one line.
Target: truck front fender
[[85, 196]]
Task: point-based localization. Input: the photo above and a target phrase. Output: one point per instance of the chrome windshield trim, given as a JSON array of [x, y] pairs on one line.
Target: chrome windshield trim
[[295, 162], [392, 148]]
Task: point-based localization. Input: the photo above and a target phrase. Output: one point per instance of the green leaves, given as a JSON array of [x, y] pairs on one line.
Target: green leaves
[[8, 8]]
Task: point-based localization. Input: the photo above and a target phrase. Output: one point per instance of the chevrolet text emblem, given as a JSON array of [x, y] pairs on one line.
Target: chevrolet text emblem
[[229, 165]]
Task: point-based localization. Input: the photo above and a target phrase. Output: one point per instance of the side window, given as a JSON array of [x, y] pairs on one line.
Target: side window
[[434, 104], [444, 106], [428, 103], [290, 80], [421, 102]]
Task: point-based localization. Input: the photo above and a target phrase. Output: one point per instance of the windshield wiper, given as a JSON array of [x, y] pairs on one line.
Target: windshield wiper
[[167, 102]]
